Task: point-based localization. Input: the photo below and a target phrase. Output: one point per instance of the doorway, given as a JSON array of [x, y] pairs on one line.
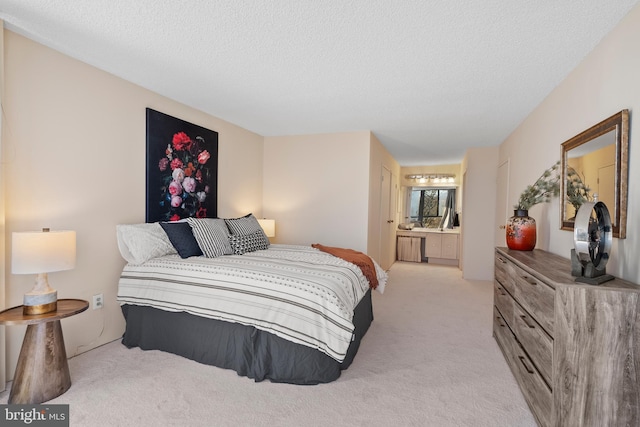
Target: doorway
[[388, 197]]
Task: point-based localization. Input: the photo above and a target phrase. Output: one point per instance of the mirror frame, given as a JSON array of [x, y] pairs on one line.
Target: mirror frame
[[619, 123]]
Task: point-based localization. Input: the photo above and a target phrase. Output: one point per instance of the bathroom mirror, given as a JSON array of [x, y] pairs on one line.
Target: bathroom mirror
[[595, 169]]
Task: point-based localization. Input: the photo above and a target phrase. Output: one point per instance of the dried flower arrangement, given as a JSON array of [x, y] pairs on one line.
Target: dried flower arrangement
[[547, 186], [577, 190]]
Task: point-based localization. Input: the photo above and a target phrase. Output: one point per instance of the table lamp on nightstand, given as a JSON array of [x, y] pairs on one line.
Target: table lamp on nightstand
[[269, 226], [42, 252]]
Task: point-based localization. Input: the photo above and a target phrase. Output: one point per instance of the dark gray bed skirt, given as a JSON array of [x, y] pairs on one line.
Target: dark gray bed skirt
[[249, 351]]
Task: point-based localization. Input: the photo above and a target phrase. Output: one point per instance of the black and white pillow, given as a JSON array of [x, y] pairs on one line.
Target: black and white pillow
[[248, 225], [212, 236], [242, 244]]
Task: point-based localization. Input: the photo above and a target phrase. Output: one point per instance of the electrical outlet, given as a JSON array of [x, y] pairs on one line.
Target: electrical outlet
[[98, 301]]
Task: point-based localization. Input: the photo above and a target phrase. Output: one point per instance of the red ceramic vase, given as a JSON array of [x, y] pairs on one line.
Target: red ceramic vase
[[521, 231]]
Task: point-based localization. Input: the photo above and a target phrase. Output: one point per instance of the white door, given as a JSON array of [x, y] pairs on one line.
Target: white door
[[502, 204], [394, 216], [607, 182], [387, 222]]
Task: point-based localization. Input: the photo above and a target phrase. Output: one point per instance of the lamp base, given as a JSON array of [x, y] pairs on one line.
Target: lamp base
[[40, 303]]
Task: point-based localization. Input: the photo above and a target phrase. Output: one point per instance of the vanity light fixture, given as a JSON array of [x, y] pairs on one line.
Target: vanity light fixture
[[438, 178]]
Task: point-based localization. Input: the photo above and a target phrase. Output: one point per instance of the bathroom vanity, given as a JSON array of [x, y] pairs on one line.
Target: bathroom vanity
[[428, 245]]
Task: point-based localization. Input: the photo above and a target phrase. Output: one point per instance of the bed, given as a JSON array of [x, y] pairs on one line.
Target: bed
[[286, 313]]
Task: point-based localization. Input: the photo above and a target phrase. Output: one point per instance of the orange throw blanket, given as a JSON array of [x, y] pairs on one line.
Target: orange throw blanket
[[358, 258]]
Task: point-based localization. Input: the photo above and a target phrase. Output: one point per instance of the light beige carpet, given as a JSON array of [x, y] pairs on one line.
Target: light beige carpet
[[429, 359]]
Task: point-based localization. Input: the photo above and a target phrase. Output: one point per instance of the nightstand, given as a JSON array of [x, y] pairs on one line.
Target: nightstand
[[42, 372]]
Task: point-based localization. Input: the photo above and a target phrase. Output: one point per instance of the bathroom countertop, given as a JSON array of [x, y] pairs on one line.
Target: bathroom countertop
[[417, 231]]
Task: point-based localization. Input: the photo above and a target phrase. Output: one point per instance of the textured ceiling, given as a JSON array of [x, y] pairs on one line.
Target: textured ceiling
[[429, 78]]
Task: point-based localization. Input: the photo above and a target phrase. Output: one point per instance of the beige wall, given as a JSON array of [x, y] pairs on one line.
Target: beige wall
[[376, 245], [74, 156], [479, 170], [316, 187], [604, 83], [2, 217]]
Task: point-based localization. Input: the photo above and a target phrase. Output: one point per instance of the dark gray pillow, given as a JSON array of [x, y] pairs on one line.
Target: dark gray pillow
[[181, 237]]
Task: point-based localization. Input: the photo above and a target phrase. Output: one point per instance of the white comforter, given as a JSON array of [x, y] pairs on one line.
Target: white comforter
[[296, 292]]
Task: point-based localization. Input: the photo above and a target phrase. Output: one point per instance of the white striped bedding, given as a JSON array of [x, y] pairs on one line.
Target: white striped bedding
[[296, 292]]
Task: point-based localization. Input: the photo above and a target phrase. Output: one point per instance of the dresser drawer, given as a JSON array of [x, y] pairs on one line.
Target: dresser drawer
[[536, 297], [535, 390], [503, 301], [536, 342], [500, 329], [504, 272]]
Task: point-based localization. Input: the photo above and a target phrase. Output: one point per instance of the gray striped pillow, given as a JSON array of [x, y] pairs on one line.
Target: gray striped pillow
[[242, 226], [212, 236]]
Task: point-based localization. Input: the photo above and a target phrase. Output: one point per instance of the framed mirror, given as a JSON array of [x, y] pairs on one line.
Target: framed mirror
[[595, 168]]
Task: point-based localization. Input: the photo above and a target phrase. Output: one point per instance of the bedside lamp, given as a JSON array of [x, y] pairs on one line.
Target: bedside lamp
[[42, 252], [269, 226]]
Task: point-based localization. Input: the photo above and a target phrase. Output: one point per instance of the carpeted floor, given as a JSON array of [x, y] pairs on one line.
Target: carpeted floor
[[429, 359]]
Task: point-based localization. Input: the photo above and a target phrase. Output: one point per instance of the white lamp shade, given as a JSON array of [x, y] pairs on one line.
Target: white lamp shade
[[35, 252], [269, 226]]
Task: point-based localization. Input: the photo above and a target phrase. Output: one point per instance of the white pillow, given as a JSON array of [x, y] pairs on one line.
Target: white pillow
[[141, 242]]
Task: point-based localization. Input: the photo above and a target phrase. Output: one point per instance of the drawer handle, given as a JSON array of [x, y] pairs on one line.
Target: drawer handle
[[524, 319], [499, 319], [531, 282], [529, 370], [501, 290], [502, 260]]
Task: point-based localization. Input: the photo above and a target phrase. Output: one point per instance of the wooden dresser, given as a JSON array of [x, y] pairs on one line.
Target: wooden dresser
[[573, 348]]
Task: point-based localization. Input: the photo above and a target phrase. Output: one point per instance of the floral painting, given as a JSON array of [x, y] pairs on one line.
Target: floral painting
[[182, 169]]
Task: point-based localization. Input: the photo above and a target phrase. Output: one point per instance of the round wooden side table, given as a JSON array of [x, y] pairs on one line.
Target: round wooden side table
[[42, 372]]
